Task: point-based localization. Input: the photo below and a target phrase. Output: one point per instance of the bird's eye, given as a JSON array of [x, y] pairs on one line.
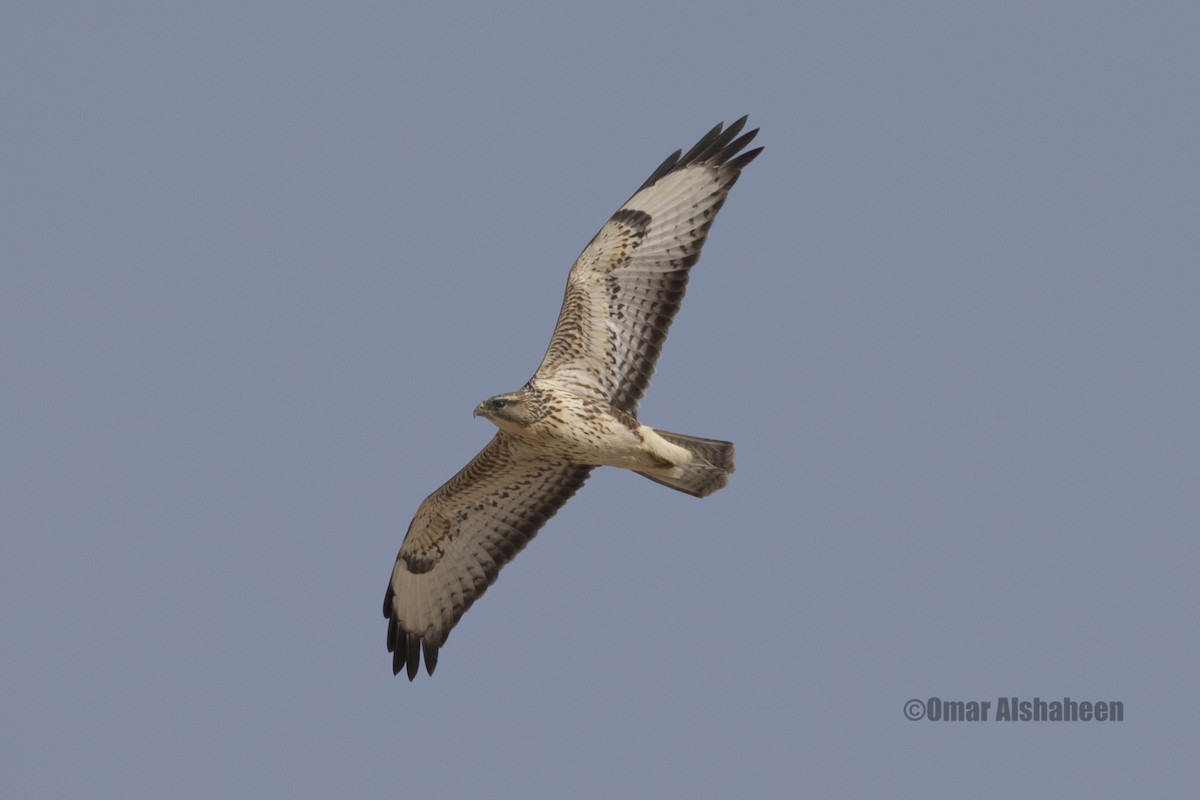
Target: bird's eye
[[499, 403]]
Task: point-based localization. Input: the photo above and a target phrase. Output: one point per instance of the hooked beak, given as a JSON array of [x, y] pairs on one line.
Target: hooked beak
[[479, 412]]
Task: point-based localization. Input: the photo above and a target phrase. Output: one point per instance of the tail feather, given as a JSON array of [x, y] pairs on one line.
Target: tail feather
[[711, 466]]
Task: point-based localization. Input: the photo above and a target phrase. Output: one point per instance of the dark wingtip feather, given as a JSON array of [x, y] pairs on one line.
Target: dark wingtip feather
[[388, 596], [413, 648], [397, 660], [745, 158], [701, 147], [736, 146], [664, 168], [431, 655], [406, 651], [719, 147]]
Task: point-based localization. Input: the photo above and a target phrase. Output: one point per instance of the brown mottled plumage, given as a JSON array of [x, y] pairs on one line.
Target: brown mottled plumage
[[579, 410]]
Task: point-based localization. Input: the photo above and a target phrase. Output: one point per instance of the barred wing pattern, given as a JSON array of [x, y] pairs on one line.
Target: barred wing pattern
[[460, 538], [626, 286]]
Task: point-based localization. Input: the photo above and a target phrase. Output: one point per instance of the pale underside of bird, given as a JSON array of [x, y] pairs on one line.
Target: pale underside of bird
[[579, 410]]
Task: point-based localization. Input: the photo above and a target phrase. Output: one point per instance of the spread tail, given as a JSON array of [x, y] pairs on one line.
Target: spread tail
[[711, 466]]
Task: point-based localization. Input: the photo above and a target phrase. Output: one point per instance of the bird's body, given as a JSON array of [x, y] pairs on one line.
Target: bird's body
[[558, 421], [579, 410]]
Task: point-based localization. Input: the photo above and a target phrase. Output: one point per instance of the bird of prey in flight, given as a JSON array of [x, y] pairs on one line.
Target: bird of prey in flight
[[579, 410]]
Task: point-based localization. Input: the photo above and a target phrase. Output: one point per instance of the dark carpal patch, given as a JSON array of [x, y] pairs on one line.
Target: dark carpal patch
[[637, 221]]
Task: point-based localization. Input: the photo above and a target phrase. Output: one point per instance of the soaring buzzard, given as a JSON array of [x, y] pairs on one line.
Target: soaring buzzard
[[579, 410]]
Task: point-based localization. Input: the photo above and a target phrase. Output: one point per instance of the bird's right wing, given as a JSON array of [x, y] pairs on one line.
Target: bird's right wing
[[626, 286]]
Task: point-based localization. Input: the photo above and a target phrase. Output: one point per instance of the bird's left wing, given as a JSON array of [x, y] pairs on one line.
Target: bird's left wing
[[460, 538], [627, 284]]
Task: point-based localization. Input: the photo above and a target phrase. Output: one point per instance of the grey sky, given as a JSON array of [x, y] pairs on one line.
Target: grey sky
[[258, 263]]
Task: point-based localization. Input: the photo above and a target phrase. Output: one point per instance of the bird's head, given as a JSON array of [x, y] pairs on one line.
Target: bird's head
[[506, 411]]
